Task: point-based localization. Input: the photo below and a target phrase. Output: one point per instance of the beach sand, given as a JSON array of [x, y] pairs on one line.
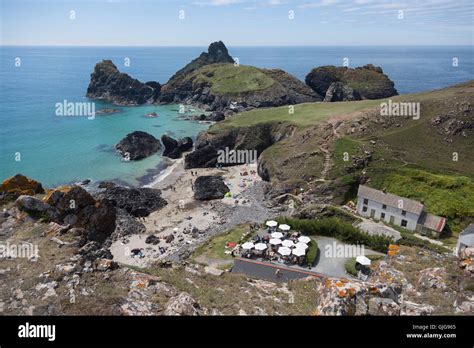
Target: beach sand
[[183, 213]]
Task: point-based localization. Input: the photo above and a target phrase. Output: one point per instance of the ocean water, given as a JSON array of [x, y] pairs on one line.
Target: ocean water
[[57, 150]]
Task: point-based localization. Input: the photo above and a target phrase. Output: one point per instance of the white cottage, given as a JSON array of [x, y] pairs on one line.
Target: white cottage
[[400, 211], [466, 239]]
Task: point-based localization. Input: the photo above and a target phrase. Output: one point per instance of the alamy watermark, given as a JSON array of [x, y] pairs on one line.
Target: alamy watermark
[[67, 108], [228, 156], [23, 250], [392, 108], [335, 250]]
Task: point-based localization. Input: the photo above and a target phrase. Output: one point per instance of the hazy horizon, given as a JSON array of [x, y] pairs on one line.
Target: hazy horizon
[[188, 23]]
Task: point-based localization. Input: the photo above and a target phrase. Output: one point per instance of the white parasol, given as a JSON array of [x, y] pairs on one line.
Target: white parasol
[[271, 223], [298, 252], [288, 243], [260, 246], [363, 260], [277, 235], [248, 245], [304, 239], [302, 246], [284, 251], [275, 241], [284, 227]]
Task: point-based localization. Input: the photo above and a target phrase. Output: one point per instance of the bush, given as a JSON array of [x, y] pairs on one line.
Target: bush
[[336, 228], [410, 240], [312, 252]]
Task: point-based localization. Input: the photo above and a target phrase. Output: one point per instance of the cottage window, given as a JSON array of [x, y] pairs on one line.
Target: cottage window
[[364, 209], [404, 223], [366, 201], [384, 206], [404, 213], [382, 215]]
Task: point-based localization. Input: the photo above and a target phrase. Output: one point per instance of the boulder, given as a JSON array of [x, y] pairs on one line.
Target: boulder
[[34, 206], [135, 201], [412, 309], [432, 278], [213, 271], [138, 145], [104, 265], [204, 156], [216, 116], [185, 144], [383, 306], [68, 199], [210, 187], [183, 304], [75, 206], [108, 83], [171, 145], [367, 82], [152, 239], [18, 185]]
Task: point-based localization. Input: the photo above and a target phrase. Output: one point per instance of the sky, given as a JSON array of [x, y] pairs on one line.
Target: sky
[[236, 22]]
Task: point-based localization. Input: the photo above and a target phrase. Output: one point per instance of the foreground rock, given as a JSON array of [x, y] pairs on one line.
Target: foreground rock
[[138, 145], [34, 206], [183, 304], [18, 185], [108, 83], [74, 206], [210, 187], [135, 201], [345, 84]]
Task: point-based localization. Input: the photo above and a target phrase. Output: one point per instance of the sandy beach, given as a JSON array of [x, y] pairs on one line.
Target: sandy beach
[[185, 222]]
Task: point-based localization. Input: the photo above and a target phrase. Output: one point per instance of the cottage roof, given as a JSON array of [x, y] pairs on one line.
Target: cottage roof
[[435, 223], [389, 199]]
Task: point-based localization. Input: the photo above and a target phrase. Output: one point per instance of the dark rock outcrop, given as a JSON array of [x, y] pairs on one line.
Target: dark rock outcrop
[[185, 144], [174, 148], [210, 187], [171, 145], [108, 83], [342, 83], [138, 145], [136, 201], [255, 138], [75, 206]]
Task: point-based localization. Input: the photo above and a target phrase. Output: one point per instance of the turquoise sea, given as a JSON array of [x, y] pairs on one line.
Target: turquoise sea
[[57, 150]]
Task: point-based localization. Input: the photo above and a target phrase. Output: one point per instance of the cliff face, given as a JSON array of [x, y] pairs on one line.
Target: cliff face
[[255, 138], [345, 84], [108, 83]]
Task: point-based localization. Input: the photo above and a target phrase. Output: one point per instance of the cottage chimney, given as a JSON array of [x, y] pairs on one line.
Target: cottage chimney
[[384, 190]]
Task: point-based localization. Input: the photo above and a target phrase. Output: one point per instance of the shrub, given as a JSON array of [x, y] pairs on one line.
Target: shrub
[[312, 252]]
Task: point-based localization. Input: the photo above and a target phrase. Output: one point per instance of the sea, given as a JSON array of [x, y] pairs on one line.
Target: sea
[[58, 150]]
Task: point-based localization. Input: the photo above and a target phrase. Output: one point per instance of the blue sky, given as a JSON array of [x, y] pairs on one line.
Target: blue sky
[[236, 22]]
